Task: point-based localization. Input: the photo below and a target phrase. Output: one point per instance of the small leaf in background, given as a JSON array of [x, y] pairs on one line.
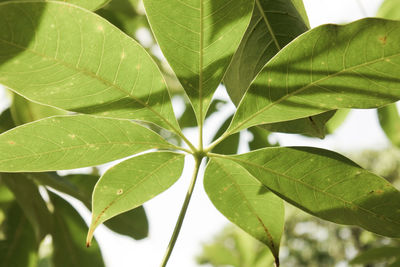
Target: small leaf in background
[[75, 141], [132, 182], [24, 111], [336, 121], [69, 237], [199, 45], [389, 120], [375, 255], [327, 185], [230, 144], [313, 125], [80, 62], [260, 138], [245, 202], [389, 10], [19, 249], [31, 202], [188, 118], [6, 121], [352, 66]]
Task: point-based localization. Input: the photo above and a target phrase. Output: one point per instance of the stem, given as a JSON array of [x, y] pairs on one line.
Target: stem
[[216, 142], [181, 217]]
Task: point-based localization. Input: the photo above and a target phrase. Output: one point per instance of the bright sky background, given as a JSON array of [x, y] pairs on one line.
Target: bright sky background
[[360, 131]]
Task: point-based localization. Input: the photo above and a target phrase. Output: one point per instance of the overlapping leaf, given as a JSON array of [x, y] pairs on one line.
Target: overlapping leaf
[[389, 120], [132, 182], [330, 67], [87, 4], [199, 38], [69, 238], [75, 141], [61, 55], [327, 185], [31, 202], [245, 202]]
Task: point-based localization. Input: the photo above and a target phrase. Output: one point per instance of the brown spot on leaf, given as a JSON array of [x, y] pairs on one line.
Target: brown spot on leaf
[[383, 39], [120, 191], [11, 142], [379, 192]]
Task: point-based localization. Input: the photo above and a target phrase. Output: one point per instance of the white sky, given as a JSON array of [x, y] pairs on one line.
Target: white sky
[[361, 130]]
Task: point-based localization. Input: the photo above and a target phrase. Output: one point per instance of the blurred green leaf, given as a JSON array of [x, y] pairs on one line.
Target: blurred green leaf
[[230, 144], [381, 254], [31, 202], [260, 138], [6, 121], [389, 120], [19, 249], [336, 121], [69, 238], [389, 10]]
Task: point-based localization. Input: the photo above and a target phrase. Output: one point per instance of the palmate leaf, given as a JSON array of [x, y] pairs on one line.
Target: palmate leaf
[[245, 202], [19, 249], [327, 185], [199, 38], [75, 141], [31, 202], [132, 182], [330, 67], [69, 237], [64, 56]]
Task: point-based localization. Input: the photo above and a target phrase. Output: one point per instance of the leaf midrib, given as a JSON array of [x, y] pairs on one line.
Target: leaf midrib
[[92, 75], [270, 30], [269, 236], [312, 187], [301, 89]]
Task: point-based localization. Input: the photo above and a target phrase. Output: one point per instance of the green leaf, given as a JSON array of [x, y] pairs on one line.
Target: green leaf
[[313, 125], [68, 142], [64, 56], [299, 5], [31, 202], [199, 38], [132, 223], [389, 10], [87, 4], [389, 120], [374, 255], [132, 182], [260, 138], [230, 144], [330, 67], [69, 238], [19, 249], [6, 121], [24, 111], [245, 201], [327, 185], [336, 121], [188, 118], [273, 25]]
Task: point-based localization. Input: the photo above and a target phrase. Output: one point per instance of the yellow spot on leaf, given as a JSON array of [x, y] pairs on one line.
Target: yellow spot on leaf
[[120, 191], [72, 136]]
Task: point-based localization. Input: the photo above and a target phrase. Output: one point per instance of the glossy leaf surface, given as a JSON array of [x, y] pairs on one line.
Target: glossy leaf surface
[[327, 185], [329, 67], [61, 55], [132, 182], [69, 238], [245, 201], [75, 141], [199, 38]]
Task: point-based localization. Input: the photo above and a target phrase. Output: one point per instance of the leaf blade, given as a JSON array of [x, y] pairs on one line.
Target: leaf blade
[[75, 60], [206, 38], [75, 141], [245, 202], [117, 184], [339, 77], [327, 185]]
